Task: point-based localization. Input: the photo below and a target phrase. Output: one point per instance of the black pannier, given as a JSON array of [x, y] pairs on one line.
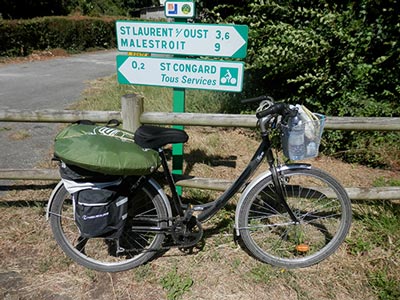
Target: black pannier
[[100, 203], [100, 212]]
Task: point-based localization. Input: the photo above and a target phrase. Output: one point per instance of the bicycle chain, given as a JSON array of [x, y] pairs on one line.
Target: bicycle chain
[[180, 239]]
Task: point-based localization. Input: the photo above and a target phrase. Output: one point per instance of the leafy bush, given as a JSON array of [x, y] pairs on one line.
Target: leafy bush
[[26, 9], [338, 58], [21, 37]]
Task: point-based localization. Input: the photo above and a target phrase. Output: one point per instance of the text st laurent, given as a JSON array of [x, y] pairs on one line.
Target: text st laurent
[[157, 37]]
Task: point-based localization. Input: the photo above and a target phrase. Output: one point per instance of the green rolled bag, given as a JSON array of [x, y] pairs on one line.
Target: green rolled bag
[[104, 149]]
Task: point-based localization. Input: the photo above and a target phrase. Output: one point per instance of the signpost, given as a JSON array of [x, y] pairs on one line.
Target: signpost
[[181, 73], [183, 38], [177, 41]]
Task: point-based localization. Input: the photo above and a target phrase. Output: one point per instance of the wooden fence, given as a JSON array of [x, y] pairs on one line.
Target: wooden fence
[[132, 116]]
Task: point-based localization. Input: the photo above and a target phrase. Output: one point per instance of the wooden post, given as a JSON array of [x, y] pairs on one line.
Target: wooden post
[[132, 108]]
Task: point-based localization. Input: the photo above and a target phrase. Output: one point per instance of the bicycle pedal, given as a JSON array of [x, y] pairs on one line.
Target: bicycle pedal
[[186, 250]]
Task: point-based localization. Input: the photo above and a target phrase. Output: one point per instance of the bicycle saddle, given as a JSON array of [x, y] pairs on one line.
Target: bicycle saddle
[[156, 137]]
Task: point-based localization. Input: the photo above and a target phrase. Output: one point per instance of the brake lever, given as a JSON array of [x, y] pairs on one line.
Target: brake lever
[[265, 104], [274, 122]]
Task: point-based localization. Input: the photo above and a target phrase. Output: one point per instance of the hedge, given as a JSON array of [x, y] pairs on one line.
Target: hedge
[[74, 34]]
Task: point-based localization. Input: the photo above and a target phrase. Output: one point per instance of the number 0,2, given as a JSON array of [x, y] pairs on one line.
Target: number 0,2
[[137, 66]]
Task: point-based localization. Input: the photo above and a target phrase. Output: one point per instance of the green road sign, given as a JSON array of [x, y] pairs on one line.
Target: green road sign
[[183, 38], [181, 73]]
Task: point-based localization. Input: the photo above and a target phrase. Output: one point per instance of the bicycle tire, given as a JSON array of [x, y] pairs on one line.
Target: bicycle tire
[[99, 253], [321, 205]]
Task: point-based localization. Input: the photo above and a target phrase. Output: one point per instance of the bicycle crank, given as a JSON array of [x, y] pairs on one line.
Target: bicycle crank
[[187, 235]]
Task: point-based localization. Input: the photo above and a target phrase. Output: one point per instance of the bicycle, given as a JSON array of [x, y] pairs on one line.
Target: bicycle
[[292, 215]]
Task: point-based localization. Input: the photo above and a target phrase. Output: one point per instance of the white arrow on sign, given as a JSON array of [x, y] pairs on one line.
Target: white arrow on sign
[[183, 38], [182, 73]]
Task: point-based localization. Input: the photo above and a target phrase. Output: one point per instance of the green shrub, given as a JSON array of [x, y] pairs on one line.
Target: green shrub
[[74, 34], [26, 9], [340, 59]]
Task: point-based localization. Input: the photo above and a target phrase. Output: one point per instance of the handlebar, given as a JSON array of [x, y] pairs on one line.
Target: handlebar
[[278, 108]]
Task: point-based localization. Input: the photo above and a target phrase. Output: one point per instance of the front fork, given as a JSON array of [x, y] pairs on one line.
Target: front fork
[[277, 179]]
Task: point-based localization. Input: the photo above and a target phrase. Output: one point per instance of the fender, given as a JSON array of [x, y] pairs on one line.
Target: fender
[[164, 197], [53, 193], [152, 182], [258, 179]]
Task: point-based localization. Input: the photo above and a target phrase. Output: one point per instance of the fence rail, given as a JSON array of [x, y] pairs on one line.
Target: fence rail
[[132, 116], [188, 119], [377, 193]]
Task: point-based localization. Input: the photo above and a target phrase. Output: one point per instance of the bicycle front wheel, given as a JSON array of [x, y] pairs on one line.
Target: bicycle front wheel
[[146, 210], [321, 206]]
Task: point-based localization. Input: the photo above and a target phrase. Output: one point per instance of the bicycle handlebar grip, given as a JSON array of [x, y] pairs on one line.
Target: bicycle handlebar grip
[[277, 108]]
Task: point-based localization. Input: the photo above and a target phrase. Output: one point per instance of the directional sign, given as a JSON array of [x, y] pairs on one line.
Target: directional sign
[[181, 73], [183, 38], [179, 9]]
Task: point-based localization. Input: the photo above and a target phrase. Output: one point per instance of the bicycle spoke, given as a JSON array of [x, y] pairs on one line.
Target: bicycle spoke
[[317, 202], [110, 255]]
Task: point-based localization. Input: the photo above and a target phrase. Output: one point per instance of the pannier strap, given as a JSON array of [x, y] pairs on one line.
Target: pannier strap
[[156, 137], [74, 187]]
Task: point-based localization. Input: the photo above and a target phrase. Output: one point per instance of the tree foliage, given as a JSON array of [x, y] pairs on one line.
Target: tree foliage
[[26, 9], [337, 57]]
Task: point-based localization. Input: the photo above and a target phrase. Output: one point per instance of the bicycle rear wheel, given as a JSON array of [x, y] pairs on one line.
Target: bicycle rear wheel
[[146, 209], [320, 204]]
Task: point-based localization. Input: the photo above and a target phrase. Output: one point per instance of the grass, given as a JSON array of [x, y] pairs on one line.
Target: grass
[[366, 267], [376, 235], [384, 285], [381, 181], [105, 94], [176, 284]]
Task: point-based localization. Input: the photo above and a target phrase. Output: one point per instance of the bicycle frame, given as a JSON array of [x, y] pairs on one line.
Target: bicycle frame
[[208, 210]]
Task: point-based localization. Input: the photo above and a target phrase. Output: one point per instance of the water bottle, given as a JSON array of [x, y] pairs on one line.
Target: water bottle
[[312, 149], [296, 144]]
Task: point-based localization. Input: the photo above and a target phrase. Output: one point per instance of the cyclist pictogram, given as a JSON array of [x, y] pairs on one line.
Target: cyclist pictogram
[[229, 76]]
